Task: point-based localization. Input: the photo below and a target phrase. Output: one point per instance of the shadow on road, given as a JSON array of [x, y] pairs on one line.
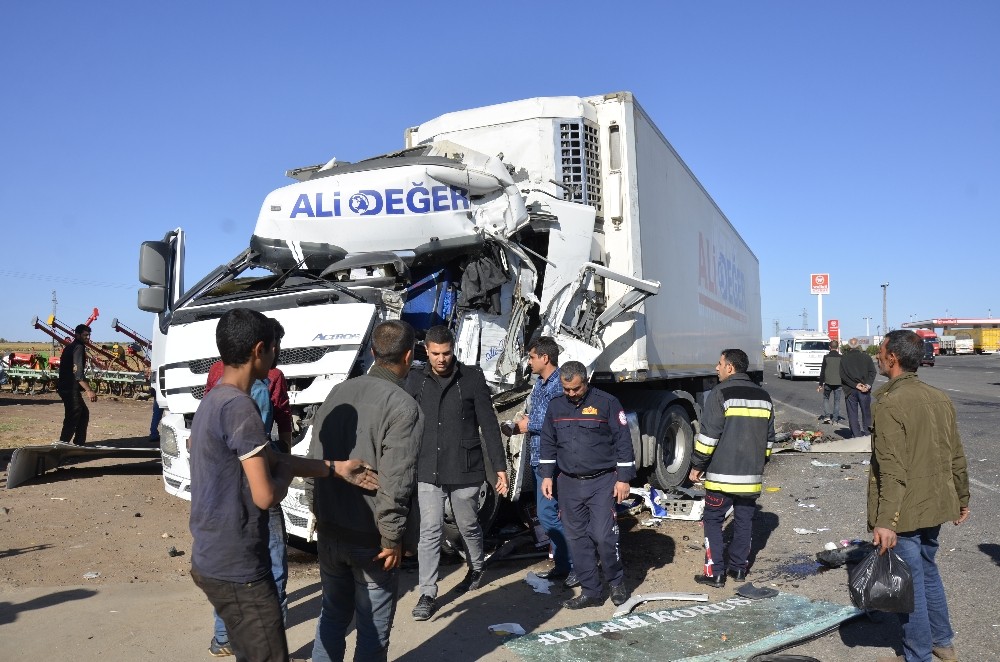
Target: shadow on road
[[9, 610]]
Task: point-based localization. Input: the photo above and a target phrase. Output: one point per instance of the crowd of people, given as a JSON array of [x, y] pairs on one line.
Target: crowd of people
[[391, 447]]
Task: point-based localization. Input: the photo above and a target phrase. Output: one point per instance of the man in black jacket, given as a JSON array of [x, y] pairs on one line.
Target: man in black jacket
[[737, 432], [857, 373], [72, 385], [455, 401], [829, 384]]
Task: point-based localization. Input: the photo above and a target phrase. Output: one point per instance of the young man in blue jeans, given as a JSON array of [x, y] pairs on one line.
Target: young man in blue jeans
[[235, 478]]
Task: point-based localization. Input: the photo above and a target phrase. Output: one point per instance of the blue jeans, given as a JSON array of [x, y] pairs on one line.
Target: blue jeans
[[355, 585], [548, 517], [279, 568], [929, 624]]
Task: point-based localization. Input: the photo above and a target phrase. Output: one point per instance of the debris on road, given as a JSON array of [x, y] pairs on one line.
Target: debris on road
[[538, 584], [636, 600], [504, 629]]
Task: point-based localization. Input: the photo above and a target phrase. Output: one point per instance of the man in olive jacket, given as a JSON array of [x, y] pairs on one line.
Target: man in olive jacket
[[918, 481], [455, 401]]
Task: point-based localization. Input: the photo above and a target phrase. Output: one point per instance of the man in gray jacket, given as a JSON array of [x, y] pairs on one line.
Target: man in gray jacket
[[370, 418], [455, 402]]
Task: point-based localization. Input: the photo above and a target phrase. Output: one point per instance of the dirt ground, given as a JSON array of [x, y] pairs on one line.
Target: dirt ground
[[112, 517]]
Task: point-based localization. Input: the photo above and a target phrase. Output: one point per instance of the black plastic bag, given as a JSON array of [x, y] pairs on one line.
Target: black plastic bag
[[882, 583]]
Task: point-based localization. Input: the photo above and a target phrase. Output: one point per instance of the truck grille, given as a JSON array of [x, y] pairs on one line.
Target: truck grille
[[581, 163], [290, 356]]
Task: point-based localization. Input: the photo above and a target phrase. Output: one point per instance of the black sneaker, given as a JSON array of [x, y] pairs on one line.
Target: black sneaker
[[424, 608], [473, 579], [581, 602], [619, 594], [215, 649], [572, 581], [718, 581]]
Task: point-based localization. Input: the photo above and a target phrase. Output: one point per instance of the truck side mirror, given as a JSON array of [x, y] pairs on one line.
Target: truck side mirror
[[153, 256], [153, 299]]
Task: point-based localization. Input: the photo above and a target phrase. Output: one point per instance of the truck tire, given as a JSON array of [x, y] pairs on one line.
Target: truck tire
[[674, 445]]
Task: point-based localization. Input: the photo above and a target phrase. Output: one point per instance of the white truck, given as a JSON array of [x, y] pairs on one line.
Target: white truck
[[801, 352], [564, 216]]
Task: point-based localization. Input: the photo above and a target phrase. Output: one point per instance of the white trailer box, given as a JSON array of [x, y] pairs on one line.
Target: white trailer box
[[654, 221]]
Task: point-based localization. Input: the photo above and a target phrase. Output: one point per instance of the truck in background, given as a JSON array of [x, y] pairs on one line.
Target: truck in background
[[564, 216], [801, 352], [959, 343], [984, 340], [929, 336]]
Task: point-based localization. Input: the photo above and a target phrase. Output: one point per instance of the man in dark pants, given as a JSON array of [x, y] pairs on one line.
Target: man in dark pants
[[857, 373], [455, 401], [737, 431], [586, 437], [543, 358], [919, 480], [72, 386], [830, 384]]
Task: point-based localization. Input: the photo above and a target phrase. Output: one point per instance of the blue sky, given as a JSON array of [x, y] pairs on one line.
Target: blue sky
[[855, 138]]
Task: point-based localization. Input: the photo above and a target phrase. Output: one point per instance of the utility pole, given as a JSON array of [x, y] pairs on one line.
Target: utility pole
[[885, 318], [868, 331]]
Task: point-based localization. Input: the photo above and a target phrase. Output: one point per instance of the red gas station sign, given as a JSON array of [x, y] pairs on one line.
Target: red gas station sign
[[819, 283], [833, 329]]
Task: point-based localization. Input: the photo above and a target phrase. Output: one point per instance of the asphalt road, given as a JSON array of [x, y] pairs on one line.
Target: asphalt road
[[969, 553]]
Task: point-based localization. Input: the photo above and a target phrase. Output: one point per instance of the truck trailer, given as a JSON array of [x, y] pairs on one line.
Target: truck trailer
[[985, 340], [571, 217]]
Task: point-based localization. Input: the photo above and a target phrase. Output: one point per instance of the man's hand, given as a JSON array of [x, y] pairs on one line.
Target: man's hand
[[963, 514], [884, 539], [502, 483], [695, 475], [547, 488], [522, 424], [356, 472], [392, 556], [621, 491], [93, 396]]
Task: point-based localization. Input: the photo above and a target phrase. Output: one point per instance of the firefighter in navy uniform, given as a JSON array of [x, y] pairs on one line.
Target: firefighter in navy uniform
[[737, 431], [586, 436]]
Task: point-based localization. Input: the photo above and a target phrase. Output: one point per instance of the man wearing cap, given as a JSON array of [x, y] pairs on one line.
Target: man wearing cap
[[586, 438]]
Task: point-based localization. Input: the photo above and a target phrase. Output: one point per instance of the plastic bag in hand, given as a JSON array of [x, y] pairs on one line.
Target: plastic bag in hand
[[882, 583]]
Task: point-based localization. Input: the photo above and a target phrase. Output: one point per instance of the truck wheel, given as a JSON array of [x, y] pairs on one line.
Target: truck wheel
[[489, 505], [674, 444]]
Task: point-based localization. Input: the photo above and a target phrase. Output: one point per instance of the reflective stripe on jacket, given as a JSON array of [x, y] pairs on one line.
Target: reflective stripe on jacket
[[737, 432]]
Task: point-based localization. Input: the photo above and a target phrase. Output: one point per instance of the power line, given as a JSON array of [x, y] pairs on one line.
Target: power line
[[51, 278]]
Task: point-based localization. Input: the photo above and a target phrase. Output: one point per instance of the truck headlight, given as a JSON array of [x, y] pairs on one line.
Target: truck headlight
[[168, 441]]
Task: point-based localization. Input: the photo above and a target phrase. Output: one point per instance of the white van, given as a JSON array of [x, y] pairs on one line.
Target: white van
[[800, 353]]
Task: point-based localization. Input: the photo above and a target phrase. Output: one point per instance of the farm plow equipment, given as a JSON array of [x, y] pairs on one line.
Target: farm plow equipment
[[119, 369]]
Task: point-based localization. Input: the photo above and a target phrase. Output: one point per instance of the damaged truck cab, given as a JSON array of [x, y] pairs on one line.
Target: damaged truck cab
[[565, 216]]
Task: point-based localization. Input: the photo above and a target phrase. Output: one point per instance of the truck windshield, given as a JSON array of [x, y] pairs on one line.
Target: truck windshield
[[812, 345]]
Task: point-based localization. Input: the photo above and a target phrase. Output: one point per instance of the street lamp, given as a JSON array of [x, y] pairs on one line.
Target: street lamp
[[885, 318], [868, 331]]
